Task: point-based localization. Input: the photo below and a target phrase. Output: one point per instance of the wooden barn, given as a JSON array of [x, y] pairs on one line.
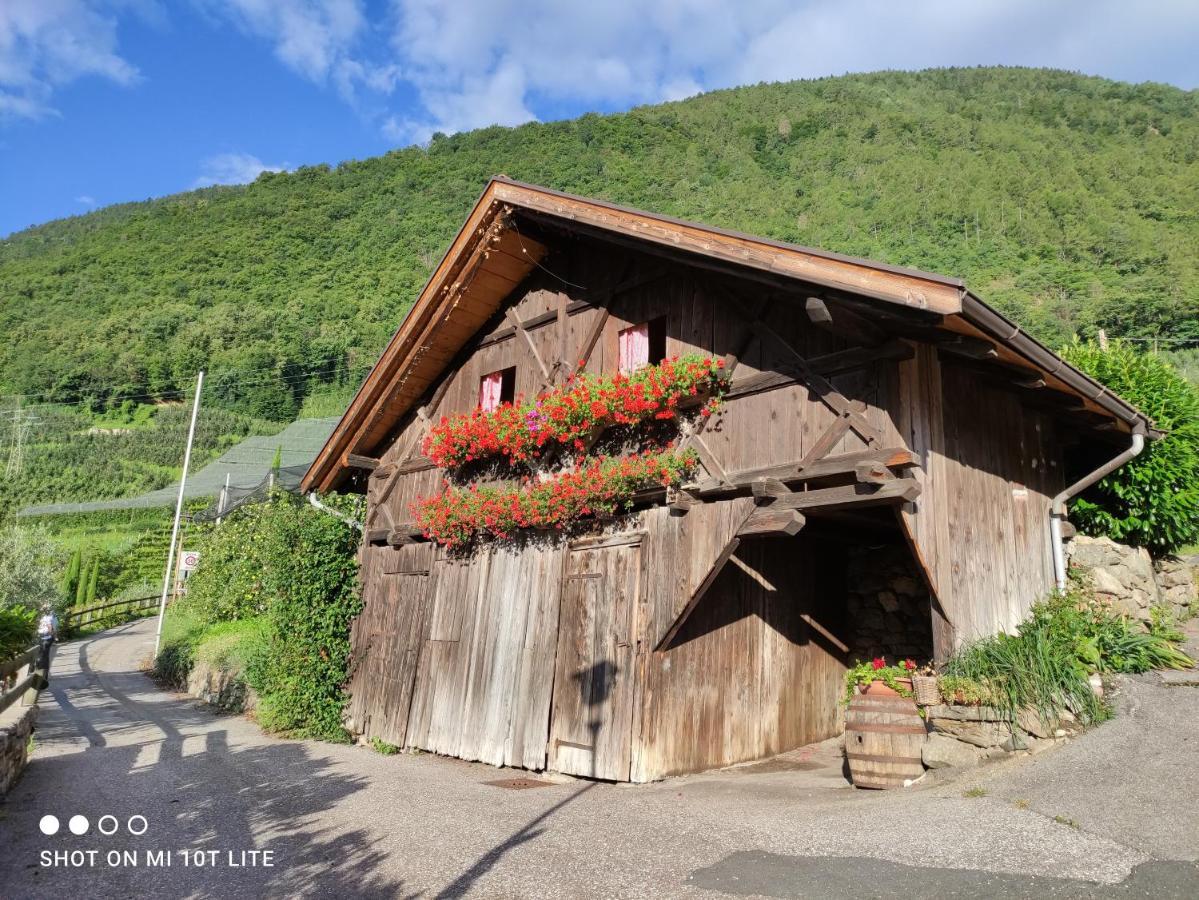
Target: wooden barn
[[878, 480]]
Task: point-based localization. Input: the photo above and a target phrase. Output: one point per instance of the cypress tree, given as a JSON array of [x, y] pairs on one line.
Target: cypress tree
[[81, 584], [72, 577], [91, 582]]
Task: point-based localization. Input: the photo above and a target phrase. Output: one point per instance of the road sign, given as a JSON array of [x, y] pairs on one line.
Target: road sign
[[189, 560]]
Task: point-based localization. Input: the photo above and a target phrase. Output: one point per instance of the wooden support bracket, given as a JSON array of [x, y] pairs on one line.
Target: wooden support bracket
[[355, 461], [729, 549]]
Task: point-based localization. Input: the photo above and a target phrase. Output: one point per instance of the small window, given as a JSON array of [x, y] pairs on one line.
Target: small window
[[642, 345], [496, 388]]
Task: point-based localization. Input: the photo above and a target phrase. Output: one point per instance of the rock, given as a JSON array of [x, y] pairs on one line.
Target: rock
[[1030, 721], [941, 752], [888, 601], [1016, 741], [1096, 683], [963, 713], [905, 584], [1088, 552], [980, 734]]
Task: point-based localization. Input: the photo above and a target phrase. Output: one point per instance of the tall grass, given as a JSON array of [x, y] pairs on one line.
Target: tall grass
[[1046, 665]]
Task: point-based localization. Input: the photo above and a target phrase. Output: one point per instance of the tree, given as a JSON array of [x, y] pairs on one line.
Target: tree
[[27, 569]]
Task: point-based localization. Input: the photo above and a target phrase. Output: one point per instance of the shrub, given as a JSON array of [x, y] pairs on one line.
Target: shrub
[[286, 574], [1153, 501], [18, 626], [313, 588]]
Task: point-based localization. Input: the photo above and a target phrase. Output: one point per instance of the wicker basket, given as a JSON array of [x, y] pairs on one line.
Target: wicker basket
[[926, 690]]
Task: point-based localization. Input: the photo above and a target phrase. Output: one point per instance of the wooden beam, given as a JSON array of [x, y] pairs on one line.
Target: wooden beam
[[729, 549], [679, 501], [415, 464], [849, 496], [842, 322], [532, 344], [766, 489], [405, 534], [872, 473], [768, 521], [830, 466], [969, 347], [355, 461], [377, 535]]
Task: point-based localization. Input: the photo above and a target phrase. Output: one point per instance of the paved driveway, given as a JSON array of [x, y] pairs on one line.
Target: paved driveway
[[344, 821]]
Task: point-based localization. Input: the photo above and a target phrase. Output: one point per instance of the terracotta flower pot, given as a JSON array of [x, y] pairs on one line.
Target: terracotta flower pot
[[881, 689]]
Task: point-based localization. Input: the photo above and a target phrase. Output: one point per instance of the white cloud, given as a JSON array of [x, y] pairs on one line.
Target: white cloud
[[45, 44], [420, 66], [232, 168], [86, 200], [478, 62]]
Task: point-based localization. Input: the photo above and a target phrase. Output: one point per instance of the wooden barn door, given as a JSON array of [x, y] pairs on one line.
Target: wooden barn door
[[592, 714], [388, 637]]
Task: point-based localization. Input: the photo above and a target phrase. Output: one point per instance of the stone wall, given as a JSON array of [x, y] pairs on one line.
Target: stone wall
[[225, 688], [888, 604], [16, 726], [1130, 580]]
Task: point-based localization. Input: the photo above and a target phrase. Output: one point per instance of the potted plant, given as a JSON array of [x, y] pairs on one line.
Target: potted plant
[[961, 691], [878, 678]]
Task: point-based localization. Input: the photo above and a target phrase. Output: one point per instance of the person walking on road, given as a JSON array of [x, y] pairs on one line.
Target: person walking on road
[[47, 634]]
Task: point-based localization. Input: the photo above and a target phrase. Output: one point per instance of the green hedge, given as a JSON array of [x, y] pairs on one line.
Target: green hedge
[[292, 571], [1153, 501]]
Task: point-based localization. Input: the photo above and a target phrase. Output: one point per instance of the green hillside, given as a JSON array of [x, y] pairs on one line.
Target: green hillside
[[1069, 202]]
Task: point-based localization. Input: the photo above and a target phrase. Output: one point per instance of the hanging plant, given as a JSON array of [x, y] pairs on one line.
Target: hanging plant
[[567, 416], [604, 487]]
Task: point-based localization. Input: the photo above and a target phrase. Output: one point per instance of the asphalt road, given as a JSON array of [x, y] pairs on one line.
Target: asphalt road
[[1112, 814]]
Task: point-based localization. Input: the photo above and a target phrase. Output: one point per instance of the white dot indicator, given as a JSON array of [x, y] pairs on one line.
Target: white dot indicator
[[78, 825], [108, 825], [48, 824]]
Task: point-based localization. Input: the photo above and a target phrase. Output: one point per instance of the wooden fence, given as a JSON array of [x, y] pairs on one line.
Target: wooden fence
[[33, 681], [77, 618]]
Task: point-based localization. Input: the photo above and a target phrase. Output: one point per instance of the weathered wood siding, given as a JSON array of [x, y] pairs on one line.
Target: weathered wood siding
[[747, 675], [991, 465]]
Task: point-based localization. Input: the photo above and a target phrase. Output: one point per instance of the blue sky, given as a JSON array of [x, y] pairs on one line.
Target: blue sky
[[104, 101]]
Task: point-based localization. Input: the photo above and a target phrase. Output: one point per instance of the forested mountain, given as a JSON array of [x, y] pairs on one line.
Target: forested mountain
[[1067, 201]]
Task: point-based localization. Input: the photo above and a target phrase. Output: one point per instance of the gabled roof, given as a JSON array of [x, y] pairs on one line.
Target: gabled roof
[[488, 259]]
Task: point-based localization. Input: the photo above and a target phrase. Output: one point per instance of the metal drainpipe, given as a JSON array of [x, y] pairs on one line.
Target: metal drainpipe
[[1057, 508]]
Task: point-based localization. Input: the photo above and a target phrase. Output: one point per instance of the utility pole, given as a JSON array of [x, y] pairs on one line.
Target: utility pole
[[187, 456], [1102, 340], [220, 505]]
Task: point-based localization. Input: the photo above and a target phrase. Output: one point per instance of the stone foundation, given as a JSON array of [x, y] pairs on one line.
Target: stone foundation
[[888, 604], [1128, 579], [16, 727]]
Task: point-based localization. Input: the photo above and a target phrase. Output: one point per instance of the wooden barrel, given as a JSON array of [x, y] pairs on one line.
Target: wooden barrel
[[883, 737]]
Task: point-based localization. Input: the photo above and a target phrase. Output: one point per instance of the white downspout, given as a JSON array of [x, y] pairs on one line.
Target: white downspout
[[1057, 507]]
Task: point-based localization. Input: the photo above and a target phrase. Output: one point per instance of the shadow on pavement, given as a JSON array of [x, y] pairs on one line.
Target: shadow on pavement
[[148, 754]]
